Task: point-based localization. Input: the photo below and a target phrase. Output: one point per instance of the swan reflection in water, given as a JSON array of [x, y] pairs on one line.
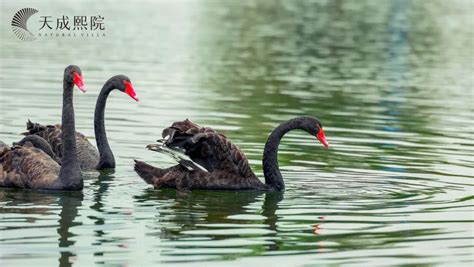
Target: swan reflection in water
[[68, 203], [195, 214]]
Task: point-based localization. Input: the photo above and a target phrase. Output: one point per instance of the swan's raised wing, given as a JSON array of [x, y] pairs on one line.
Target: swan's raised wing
[[178, 155], [207, 148]]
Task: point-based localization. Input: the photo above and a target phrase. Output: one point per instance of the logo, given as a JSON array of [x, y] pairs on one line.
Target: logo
[[64, 26], [19, 22]]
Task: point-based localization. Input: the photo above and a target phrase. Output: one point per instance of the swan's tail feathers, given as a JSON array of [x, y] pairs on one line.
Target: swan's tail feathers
[[146, 171], [33, 128], [178, 155]]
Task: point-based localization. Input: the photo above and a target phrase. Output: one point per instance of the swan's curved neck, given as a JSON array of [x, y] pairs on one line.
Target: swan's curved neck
[[70, 172], [38, 142], [271, 171], [107, 159]]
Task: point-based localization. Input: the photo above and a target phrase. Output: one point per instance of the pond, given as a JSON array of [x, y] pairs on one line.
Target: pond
[[391, 82]]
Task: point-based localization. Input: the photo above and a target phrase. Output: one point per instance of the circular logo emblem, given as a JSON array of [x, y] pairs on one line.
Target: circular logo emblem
[[19, 24]]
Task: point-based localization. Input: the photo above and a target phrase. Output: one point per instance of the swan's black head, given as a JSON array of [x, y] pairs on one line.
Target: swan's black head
[[73, 75], [314, 127], [123, 84]]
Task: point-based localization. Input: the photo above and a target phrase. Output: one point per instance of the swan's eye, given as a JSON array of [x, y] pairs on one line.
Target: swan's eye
[[322, 138]]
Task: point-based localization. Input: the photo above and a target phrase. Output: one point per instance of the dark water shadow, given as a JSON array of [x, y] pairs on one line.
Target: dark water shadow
[[68, 202], [181, 212], [100, 188]]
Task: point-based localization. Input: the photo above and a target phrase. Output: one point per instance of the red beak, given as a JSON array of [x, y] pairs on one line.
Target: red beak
[[322, 138], [79, 82], [130, 91]]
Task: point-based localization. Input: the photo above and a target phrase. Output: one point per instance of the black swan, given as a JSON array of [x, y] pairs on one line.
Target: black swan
[[88, 156], [216, 163], [25, 166]]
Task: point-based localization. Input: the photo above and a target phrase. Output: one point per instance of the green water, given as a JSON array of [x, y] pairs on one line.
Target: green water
[[391, 81]]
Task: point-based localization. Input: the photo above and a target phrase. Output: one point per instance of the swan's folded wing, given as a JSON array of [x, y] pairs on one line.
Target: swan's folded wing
[[27, 167], [87, 155]]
